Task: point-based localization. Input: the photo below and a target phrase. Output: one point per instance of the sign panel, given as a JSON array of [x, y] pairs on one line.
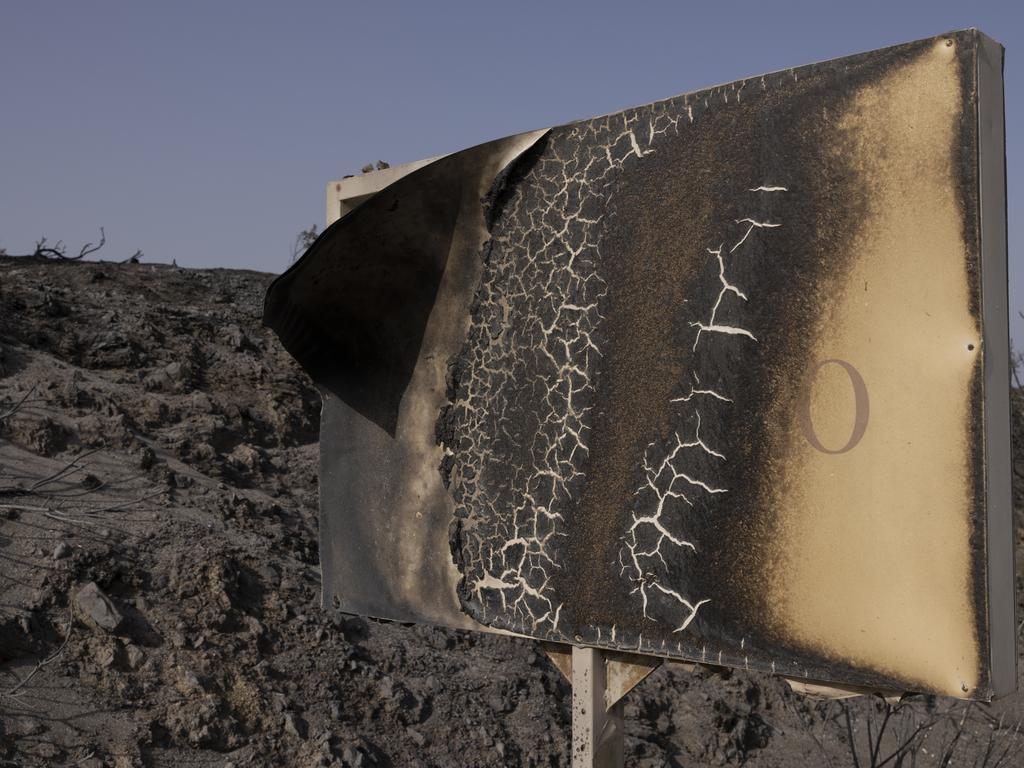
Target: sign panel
[[720, 378]]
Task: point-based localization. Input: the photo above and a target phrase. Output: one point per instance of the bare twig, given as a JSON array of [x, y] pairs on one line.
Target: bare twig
[[45, 251], [25, 507], [104, 485], [877, 746], [60, 251], [303, 241], [113, 507], [96, 511], [1006, 752], [809, 729], [88, 247], [14, 409], [849, 733], [66, 519], [56, 514], [68, 469], [43, 662], [908, 739], [946, 758]]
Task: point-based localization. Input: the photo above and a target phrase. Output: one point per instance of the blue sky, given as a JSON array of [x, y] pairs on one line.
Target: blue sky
[[205, 132]]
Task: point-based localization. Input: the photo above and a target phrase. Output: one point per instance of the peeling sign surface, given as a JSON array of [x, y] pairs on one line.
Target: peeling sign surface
[[703, 379]]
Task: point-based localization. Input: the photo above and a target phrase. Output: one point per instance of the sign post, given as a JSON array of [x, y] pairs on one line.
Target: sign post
[[597, 727], [600, 680]]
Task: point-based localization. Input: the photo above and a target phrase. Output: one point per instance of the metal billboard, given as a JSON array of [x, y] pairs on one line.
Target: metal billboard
[[721, 378]]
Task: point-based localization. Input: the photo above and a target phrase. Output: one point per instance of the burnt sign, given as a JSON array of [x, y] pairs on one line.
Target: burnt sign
[[720, 378]]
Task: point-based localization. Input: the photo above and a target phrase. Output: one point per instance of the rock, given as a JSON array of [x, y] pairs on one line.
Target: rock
[[146, 457], [295, 725], [234, 337], [187, 682], [134, 655], [62, 550], [169, 378], [45, 750], [106, 656], [92, 430], [204, 722], [499, 703], [246, 458], [416, 736], [253, 625], [201, 403], [43, 436], [203, 452], [97, 609], [25, 726], [353, 757], [152, 411], [386, 689], [336, 710]]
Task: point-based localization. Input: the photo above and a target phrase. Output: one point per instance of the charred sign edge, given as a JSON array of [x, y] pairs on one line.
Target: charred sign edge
[[298, 325], [484, 167], [1001, 605]]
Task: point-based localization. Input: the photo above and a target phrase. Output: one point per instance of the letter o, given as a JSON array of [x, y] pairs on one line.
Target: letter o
[[861, 404]]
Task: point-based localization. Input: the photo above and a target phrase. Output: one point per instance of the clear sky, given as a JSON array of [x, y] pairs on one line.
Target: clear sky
[[205, 131]]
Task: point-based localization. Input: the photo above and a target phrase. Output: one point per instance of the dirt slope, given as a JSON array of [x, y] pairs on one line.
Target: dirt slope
[[159, 597]]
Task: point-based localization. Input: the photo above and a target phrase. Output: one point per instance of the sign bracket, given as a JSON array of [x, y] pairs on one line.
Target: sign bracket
[[600, 679]]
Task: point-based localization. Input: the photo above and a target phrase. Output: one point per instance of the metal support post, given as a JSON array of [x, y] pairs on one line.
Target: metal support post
[[599, 681], [597, 729]]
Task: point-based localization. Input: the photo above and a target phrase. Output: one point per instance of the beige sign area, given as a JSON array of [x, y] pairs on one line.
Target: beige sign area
[[877, 573]]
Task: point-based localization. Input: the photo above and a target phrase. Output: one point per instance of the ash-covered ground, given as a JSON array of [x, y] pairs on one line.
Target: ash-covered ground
[[159, 584]]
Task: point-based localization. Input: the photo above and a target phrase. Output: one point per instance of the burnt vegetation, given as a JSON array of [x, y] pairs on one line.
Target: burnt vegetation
[[44, 250]]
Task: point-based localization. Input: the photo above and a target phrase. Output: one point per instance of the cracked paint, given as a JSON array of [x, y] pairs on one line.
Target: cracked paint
[[533, 348], [669, 490]]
